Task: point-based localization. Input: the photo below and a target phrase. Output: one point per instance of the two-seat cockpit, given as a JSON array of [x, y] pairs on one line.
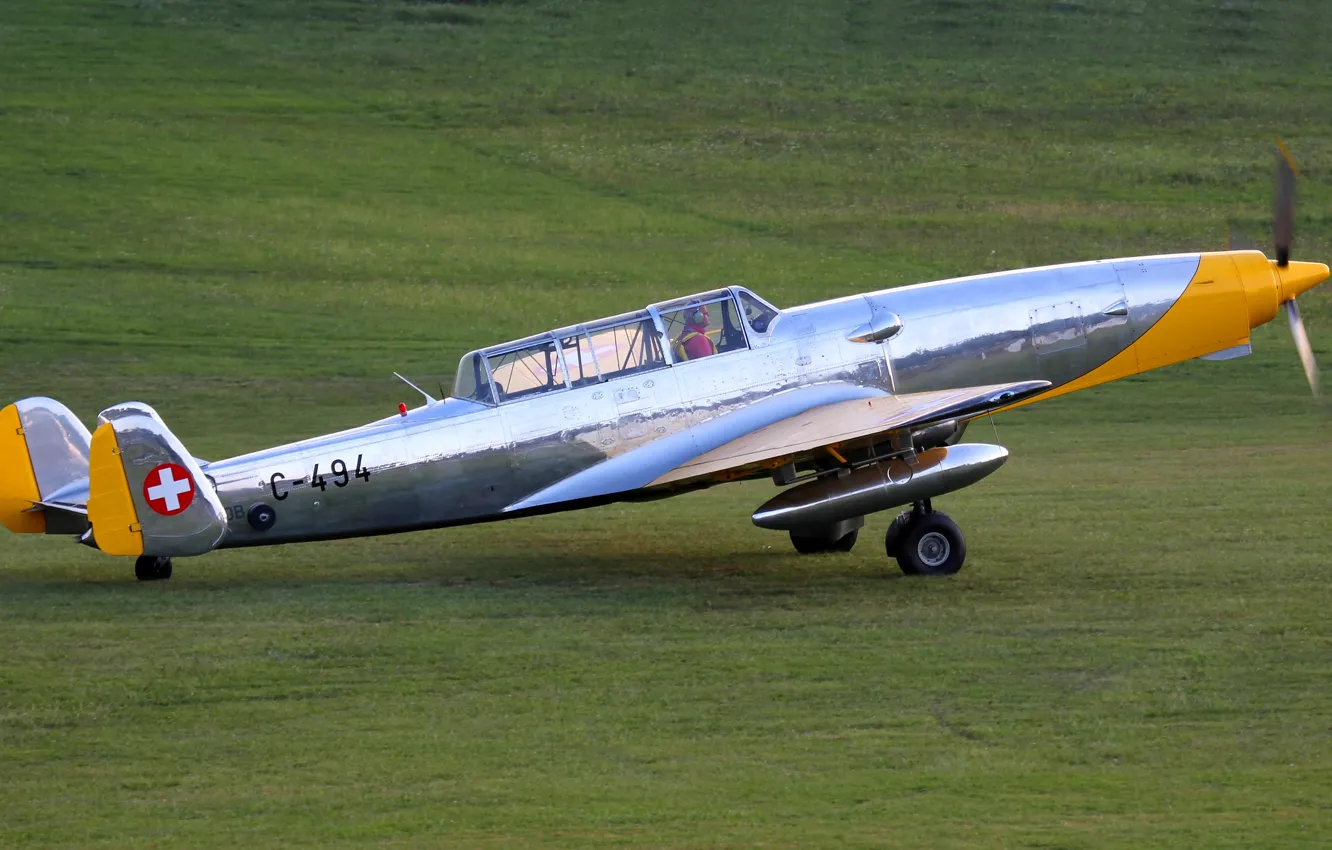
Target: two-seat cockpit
[[666, 334]]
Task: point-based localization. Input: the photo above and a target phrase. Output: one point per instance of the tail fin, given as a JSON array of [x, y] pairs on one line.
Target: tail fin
[[43, 450], [147, 495]]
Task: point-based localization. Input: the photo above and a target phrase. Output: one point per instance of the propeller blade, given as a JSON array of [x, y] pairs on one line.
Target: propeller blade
[[1283, 205], [1302, 344]]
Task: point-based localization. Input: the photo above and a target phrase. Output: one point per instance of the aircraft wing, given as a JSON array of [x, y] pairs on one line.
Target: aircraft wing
[[635, 469], [853, 420], [783, 425]]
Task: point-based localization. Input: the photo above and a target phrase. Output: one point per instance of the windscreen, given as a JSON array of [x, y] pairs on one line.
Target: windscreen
[[758, 314], [471, 382]]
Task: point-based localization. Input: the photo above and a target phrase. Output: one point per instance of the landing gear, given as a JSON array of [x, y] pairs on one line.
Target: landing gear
[[892, 541], [925, 542], [152, 568], [835, 537]]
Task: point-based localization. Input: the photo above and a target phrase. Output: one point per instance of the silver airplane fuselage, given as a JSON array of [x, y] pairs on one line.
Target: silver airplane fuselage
[[457, 461], [858, 401]]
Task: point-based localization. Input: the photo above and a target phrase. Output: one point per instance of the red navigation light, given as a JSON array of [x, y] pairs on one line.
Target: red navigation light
[[402, 408]]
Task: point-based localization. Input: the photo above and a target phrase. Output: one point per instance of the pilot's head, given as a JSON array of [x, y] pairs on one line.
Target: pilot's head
[[696, 314]]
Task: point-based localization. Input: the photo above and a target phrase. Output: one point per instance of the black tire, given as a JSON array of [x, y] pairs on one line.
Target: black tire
[[933, 545], [822, 545], [151, 568], [809, 545], [846, 542], [892, 540]]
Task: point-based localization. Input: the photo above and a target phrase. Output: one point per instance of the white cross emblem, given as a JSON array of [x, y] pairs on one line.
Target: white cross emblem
[[173, 482]]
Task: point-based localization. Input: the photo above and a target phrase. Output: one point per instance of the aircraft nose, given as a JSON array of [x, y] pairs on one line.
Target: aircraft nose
[[1298, 277]]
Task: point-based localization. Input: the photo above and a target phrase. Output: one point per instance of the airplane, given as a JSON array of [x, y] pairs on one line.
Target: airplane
[[853, 406]]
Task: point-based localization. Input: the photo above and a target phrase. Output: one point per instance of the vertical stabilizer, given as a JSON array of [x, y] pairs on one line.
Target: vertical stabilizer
[[147, 494], [43, 450]]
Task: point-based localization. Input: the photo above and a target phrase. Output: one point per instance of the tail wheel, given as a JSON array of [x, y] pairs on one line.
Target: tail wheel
[[152, 568]]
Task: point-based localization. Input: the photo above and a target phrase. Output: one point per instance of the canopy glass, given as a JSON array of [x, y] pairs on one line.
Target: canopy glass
[[664, 334]]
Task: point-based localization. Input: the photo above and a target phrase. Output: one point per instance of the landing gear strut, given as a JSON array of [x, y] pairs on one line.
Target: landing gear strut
[[925, 542], [152, 568]]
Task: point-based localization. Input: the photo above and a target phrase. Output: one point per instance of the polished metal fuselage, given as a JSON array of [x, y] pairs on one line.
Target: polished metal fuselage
[[456, 462]]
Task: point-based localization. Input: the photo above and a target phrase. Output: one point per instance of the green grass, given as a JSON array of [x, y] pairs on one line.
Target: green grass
[[248, 214]]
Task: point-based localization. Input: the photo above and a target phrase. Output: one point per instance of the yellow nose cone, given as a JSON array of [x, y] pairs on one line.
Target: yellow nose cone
[[1299, 277]]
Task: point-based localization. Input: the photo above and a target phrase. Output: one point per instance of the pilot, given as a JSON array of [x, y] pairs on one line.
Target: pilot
[[693, 341]]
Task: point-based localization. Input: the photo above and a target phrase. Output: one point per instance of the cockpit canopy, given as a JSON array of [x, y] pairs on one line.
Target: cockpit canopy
[[663, 335]]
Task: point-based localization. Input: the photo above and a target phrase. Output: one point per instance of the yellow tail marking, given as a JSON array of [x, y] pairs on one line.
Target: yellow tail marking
[[18, 482], [111, 510]]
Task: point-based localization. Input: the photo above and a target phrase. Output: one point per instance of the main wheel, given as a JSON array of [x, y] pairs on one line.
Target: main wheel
[[151, 568], [820, 545], [931, 545], [892, 541]]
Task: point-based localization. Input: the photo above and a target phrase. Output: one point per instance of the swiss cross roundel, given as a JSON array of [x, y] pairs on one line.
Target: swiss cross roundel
[[168, 489]]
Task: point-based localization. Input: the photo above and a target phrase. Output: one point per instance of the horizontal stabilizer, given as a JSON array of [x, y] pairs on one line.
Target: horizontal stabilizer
[[147, 494], [43, 451]]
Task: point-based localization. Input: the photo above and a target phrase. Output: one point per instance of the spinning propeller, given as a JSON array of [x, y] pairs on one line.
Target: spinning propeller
[[1283, 231]]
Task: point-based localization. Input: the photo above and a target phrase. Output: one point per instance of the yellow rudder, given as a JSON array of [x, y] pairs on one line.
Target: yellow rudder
[[18, 481], [115, 523]]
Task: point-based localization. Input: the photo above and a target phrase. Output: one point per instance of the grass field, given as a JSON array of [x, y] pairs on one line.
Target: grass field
[[249, 213]]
